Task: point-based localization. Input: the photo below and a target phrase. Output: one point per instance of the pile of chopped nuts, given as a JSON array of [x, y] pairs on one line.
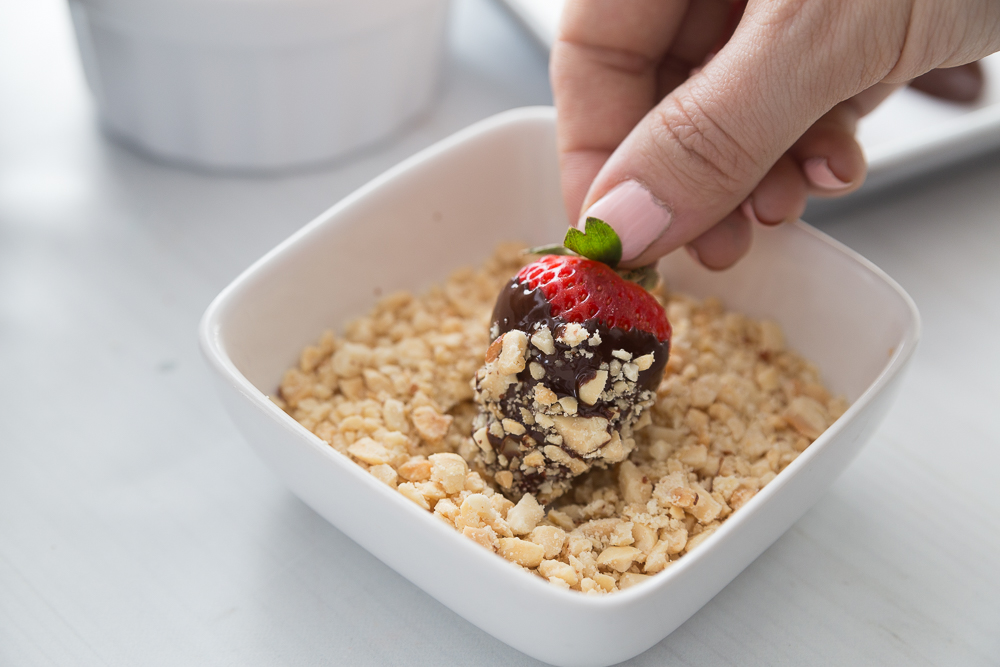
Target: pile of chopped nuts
[[395, 394], [514, 407]]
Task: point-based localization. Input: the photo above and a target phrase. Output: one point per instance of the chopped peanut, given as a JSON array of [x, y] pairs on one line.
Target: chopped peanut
[[515, 344], [807, 416], [430, 424], [394, 393], [385, 474], [553, 569], [618, 558], [525, 515], [521, 551], [371, 452], [449, 471], [550, 538]]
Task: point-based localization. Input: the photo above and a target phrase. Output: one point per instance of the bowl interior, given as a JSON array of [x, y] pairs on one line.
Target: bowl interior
[[449, 206], [498, 182], [837, 309]]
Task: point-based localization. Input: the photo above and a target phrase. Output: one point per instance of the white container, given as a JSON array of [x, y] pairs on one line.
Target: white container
[[498, 180], [259, 84]]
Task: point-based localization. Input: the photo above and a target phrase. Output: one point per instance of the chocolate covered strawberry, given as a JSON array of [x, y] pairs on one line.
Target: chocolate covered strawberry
[[576, 356]]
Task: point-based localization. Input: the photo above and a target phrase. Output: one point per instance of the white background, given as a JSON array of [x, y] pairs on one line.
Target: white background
[[136, 528]]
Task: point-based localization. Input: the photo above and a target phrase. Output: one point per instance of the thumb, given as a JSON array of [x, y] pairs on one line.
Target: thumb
[[701, 151]]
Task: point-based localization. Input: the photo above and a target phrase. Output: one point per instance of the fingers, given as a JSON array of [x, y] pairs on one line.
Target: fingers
[[604, 80], [577, 169], [957, 84], [717, 143], [723, 244], [831, 159], [612, 64], [826, 160], [703, 28], [780, 196], [702, 150]]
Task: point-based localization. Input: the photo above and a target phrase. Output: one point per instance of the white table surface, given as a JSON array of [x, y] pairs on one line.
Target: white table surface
[[136, 527]]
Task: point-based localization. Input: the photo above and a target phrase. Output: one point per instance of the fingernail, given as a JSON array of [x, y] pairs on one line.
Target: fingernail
[[818, 171], [633, 212], [747, 208]]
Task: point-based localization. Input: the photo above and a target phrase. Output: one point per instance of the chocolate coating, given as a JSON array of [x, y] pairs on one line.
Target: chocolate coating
[[520, 307], [566, 370]]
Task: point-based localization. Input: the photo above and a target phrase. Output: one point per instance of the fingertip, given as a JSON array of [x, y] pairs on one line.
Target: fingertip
[[639, 218], [724, 244], [817, 170], [780, 196], [577, 170], [747, 209], [829, 156]]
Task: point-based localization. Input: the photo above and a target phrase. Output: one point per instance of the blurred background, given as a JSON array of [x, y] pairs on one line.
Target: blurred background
[[135, 525]]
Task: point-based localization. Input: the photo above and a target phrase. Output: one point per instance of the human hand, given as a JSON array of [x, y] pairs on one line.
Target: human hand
[[673, 155]]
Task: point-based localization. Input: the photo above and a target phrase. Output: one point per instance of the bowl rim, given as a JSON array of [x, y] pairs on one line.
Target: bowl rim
[[214, 350]]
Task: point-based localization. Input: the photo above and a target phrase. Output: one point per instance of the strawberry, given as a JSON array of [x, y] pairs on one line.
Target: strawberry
[[580, 289], [576, 356]]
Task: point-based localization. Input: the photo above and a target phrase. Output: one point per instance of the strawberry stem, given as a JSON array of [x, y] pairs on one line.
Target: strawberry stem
[[598, 241], [646, 276]]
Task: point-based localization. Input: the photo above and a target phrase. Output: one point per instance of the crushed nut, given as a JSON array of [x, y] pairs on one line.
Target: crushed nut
[[371, 452], [431, 425], [522, 552], [395, 393], [618, 558], [553, 569], [515, 344], [551, 538], [591, 390], [582, 434], [524, 516], [806, 416], [542, 339], [449, 470], [573, 334], [385, 474]]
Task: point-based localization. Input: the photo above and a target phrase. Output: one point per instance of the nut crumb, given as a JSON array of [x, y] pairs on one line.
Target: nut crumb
[[431, 425], [395, 393]]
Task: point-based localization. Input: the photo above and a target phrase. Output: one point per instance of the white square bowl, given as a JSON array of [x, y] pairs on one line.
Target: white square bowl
[[449, 206]]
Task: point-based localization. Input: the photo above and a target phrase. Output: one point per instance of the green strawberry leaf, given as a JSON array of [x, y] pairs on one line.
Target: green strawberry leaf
[[598, 242]]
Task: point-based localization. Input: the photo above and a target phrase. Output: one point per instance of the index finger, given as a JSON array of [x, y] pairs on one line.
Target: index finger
[[608, 70], [604, 79]]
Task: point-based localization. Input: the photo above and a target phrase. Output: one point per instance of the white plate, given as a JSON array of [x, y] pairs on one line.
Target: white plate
[[498, 180], [908, 135]]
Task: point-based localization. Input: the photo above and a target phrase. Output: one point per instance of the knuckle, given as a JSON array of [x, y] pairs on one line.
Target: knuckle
[[697, 148], [782, 15], [568, 55]]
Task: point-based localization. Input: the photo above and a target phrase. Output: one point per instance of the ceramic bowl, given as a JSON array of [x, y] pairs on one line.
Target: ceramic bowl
[[498, 180], [251, 85]]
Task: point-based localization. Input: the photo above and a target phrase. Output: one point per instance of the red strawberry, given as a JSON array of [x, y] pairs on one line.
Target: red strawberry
[[577, 355], [580, 289]]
